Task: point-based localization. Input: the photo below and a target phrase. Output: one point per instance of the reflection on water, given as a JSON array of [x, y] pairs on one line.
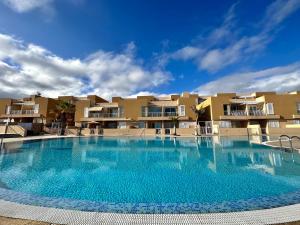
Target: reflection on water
[[124, 169], [217, 153]]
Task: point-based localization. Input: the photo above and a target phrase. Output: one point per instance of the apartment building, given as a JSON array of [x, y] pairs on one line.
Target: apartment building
[[261, 112], [140, 112], [28, 112]]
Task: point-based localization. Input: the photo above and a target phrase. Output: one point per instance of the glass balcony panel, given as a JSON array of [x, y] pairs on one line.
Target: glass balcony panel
[[106, 115], [23, 112]]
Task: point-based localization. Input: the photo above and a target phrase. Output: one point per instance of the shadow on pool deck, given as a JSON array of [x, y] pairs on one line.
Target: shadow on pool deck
[[11, 221]]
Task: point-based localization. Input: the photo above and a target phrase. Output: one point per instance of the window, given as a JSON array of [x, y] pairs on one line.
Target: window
[[273, 123], [86, 112], [298, 108], [296, 121], [226, 110], [157, 125], [186, 124], [8, 110], [36, 108], [225, 124], [252, 110], [154, 111], [269, 108], [144, 111], [181, 110], [122, 125], [170, 111]]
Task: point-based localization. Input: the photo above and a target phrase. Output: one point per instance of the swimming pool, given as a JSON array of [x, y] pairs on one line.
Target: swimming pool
[[149, 175]]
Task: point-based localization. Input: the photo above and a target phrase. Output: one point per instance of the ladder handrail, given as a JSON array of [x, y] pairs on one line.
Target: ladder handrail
[[297, 137], [289, 139]]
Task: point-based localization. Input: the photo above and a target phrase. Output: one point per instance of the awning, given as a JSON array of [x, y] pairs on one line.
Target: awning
[[98, 108], [24, 103]]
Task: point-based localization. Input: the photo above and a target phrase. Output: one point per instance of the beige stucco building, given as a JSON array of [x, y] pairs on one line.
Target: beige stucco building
[[260, 112], [223, 114], [140, 112], [29, 113]]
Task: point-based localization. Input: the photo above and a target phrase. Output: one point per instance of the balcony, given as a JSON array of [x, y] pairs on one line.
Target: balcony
[[21, 114], [159, 114], [106, 115], [251, 114]]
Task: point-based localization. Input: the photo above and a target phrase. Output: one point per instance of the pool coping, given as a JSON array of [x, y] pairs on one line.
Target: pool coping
[[273, 145], [53, 136], [281, 214]]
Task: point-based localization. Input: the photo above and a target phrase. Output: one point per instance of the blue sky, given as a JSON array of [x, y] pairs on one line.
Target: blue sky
[[110, 47]]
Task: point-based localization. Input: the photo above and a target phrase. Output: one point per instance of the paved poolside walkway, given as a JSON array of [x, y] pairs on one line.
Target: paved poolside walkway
[[61, 216], [12, 221]]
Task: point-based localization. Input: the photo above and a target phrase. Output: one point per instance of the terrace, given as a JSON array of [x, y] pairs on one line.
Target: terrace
[[244, 110], [22, 109], [104, 112]]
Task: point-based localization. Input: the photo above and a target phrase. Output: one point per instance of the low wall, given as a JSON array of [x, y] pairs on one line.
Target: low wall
[[13, 129], [122, 132], [233, 132], [184, 131], [281, 131], [292, 126], [129, 132], [135, 132], [72, 131]]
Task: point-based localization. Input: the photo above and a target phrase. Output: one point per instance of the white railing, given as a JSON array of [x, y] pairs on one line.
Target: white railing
[[170, 114], [159, 114], [105, 115], [238, 113], [22, 112], [249, 113], [257, 113]]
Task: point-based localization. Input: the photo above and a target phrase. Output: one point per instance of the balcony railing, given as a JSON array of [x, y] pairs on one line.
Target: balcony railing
[[22, 112], [257, 113], [159, 114], [106, 115], [249, 113]]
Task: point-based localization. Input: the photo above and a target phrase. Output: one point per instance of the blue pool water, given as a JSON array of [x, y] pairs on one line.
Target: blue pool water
[[155, 175]]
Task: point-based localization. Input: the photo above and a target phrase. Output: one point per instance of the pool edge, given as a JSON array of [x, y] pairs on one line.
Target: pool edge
[[61, 216]]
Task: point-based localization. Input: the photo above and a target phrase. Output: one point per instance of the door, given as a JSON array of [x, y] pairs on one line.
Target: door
[[208, 127]]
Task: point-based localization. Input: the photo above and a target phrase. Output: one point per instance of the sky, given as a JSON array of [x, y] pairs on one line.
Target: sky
[[152, 47]]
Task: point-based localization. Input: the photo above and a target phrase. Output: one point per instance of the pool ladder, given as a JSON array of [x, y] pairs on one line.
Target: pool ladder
[[290, 139]]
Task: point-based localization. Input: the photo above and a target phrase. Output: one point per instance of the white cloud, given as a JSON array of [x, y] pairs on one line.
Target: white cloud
[[278, 11], [22, 6], [281, 79], [27, 68], [188, 52], [224, 45], [147, 93]]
